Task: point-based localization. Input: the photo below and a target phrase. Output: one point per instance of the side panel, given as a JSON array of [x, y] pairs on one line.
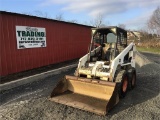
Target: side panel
[[120, 58]]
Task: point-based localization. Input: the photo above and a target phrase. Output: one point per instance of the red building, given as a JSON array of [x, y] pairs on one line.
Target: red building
[[28, 42]]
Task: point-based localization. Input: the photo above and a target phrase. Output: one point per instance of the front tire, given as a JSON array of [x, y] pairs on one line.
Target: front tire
[[122, 80], [124, 86]]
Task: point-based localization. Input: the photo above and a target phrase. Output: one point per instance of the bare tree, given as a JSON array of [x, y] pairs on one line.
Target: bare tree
[[59, 17], [154, 22], [156, 17], [73, 21], [37, 13], [41, 14], [144, 33], [122, 26], [98, 21]]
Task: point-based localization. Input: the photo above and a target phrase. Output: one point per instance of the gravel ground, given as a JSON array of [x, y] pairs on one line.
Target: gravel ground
[[153, 57], [31, 101], [19, 75]]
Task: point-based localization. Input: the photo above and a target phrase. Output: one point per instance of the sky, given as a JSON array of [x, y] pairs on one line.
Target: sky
[[133, 13]]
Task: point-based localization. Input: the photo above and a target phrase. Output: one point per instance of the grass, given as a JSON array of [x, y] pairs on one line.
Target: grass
[[149, 49]]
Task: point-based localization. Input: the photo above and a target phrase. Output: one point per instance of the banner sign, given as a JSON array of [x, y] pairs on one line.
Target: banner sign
[[30, 37]]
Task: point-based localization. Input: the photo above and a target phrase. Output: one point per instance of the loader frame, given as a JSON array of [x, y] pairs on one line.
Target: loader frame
[[125, 58]]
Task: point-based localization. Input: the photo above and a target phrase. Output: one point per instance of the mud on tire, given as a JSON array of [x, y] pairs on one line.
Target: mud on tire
[[122, 80], [132, 79]]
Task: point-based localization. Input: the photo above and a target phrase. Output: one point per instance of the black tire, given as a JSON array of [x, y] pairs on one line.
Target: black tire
[[122, 80], [133, 79]]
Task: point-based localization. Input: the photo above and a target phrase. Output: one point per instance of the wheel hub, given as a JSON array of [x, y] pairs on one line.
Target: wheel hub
[[125, 84]]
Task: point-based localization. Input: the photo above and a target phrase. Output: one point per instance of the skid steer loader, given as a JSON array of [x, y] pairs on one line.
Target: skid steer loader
[[103, 75]]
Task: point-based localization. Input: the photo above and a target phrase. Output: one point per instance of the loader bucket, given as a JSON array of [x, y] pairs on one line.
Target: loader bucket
[[92, 95]]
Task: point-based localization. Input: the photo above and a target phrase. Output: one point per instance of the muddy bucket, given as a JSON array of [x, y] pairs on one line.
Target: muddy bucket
[[92, 95]]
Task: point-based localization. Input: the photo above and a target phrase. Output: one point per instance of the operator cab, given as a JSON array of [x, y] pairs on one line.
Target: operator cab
[[107, 43]]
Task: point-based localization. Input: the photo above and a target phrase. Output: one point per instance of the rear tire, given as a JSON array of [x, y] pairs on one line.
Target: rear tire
[[133, 79]]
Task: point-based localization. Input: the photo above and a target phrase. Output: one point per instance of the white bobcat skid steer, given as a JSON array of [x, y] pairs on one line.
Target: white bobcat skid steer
[[102, 76]]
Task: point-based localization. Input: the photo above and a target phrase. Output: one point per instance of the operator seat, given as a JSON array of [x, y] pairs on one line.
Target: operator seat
[[105, 51], [112, 56], [108, 51]]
